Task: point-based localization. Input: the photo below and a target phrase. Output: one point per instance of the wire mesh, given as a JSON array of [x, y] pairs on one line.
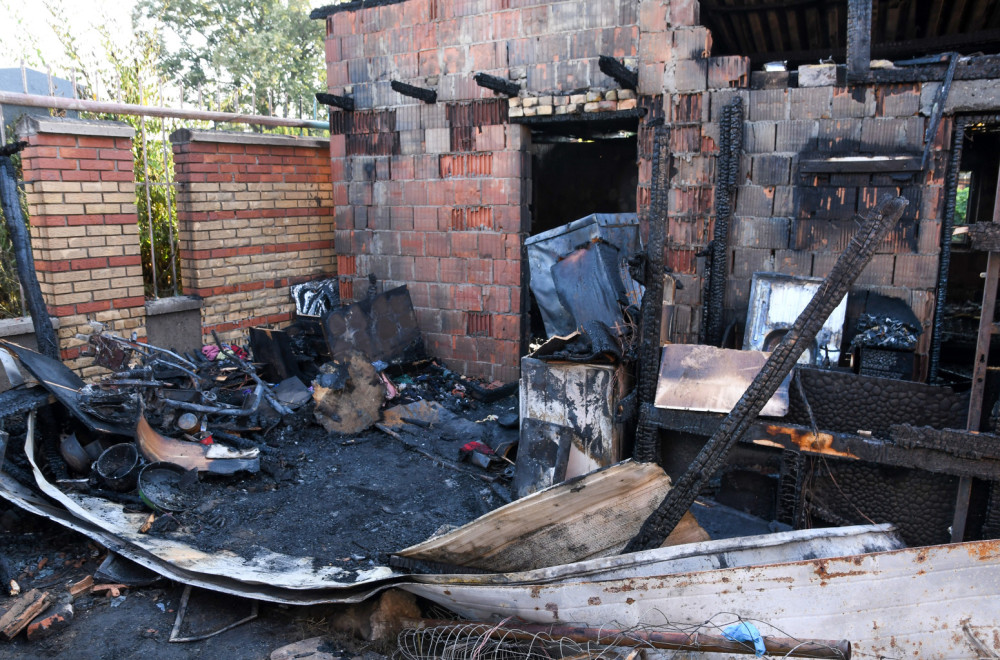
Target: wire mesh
[[463, 640]]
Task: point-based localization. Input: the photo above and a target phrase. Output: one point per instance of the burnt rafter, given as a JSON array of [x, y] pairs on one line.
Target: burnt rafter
[[498, 85], [422, 93], [342, 102], [621, 74]]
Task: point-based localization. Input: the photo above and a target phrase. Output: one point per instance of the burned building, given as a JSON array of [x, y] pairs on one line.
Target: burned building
[[473, 126]]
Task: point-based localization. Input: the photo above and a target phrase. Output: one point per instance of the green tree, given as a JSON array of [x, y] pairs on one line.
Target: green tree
[[266, 54]]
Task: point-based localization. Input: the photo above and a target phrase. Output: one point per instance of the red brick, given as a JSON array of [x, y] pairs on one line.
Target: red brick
[[49, 139], [89, 263], [98, 306]]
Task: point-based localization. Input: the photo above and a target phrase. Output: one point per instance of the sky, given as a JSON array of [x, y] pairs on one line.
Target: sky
[[28, 35]]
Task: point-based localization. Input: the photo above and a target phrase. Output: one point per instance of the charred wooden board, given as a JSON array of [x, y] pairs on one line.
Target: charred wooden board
[[901, 450], [849, 265], [382, 328]]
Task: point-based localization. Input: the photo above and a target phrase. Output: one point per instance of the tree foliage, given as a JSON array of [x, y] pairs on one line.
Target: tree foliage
[[266, 53]]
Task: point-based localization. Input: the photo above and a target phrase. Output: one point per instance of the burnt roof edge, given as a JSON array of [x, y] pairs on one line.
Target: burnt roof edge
[[330, 10]]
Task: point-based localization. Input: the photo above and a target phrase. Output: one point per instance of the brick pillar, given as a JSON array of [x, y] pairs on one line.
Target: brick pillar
[[80, 185], [254, 216]]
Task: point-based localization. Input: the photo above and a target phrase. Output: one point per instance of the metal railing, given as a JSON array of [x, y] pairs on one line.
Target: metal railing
[[154, 119]]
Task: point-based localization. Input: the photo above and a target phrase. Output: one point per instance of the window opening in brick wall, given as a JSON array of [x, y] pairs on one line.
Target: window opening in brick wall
[[975, 195], [579, 168]]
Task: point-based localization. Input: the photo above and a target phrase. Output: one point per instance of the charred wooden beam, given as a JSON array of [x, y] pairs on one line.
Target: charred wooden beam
[[983, 236], [342, 102], [877, 224], [860, 165], [498, 85], [425, 95], [620, 73], [10, 201], [727, 168], [859, 37], [952, 452], [646, 447]]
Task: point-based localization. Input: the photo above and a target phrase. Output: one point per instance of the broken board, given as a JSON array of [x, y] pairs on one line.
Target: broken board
[[581, 398], [354, 405], [591, 516], [382, 328], [542, 455], [709, 379]]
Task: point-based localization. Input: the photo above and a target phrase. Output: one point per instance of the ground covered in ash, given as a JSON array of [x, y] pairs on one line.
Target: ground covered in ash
[[345, 501]]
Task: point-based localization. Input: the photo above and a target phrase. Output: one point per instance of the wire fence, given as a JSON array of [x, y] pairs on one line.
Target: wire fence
[[154, 110], [512, 640]]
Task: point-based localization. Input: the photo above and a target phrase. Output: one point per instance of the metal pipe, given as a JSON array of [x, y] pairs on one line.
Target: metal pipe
[[677, 641], [81, 105]]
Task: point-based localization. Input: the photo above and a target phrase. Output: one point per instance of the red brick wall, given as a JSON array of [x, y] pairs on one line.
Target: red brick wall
[[254, 216], [395, 156], [443, 217], [81, 200]]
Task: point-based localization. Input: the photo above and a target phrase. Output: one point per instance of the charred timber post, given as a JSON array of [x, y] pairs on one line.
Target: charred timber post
[[802, 334], [859, 38], [425, 95], [499, 85], [674, 641], [342, 102], [48, 345], [730, 144], [621, 74], [646, 447], [944, 262]]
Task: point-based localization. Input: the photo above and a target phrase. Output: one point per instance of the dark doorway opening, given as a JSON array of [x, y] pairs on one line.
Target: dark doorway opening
[[579, 168], [974, 201]]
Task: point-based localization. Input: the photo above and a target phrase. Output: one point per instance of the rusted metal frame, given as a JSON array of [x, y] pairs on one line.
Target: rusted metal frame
[[859, 38], [897, 451], [676, 641], [647, 447], [877, 224], [10, 201]]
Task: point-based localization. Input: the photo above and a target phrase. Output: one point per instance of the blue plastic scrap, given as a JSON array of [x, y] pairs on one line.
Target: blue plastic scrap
[[745, 632]]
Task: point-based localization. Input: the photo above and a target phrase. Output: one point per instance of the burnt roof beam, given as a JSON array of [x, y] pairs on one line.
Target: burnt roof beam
[[425, 95], [623, 75], [342, 102], [859, 38], [498, 85]]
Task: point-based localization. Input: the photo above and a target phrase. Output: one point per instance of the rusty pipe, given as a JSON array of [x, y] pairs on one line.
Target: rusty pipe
[[675, 641]]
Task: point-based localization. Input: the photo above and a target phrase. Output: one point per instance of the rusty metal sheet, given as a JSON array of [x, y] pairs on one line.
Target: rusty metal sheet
[[382, 328], [709, 379], [908, 603]]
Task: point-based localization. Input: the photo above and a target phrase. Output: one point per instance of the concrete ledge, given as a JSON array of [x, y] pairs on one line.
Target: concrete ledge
[[22, 325], [171, 305], [31, 125], [184, 135]]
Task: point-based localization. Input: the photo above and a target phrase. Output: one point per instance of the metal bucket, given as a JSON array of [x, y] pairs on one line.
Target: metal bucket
[[118, 467]]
